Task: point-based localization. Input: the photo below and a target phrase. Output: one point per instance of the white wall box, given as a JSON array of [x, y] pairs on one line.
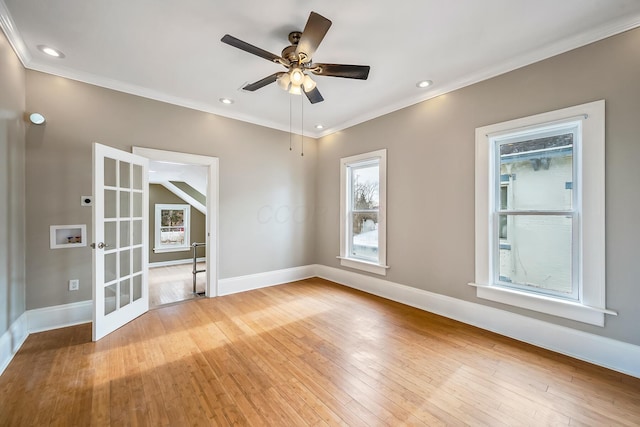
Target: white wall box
[[67, 236]]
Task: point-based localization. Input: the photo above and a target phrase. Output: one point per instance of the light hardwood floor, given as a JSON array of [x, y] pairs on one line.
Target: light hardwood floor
[[306, 353], [174, 283]]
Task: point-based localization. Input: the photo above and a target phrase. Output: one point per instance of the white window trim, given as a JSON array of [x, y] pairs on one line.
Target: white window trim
[[591, 306], [158, 247], [372, 267]]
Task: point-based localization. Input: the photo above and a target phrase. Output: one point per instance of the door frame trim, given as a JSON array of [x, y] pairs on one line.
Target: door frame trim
[[213, 190]]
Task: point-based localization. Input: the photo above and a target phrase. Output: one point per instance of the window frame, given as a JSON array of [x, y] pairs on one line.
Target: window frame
[[158, 246], [346, 165], [561, 127], [589, 174]]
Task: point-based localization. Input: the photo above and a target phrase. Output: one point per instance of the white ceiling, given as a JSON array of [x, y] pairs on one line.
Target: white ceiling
[[171, 51]]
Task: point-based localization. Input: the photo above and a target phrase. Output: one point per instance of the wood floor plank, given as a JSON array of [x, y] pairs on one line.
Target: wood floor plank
[[306, 353]]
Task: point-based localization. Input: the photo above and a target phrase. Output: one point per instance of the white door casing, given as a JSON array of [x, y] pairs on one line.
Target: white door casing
[[121, 238], [212, 196]]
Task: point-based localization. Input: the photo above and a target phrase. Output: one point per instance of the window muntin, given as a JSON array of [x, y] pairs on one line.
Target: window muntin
[[534, 209], [172, 232]]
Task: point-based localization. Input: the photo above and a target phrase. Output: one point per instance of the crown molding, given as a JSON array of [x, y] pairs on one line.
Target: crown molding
[[591, 36], [13, 35]]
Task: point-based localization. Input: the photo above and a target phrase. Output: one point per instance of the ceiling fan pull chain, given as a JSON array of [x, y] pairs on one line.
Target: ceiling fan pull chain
[[290, 129], [302, 125]]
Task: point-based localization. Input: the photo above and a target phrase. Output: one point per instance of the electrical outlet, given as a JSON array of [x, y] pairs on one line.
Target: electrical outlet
[[74, 284]]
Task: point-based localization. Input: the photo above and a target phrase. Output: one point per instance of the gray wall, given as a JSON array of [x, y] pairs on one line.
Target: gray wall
[[159, 194], [12, 204], [431, 173], [258, 174]]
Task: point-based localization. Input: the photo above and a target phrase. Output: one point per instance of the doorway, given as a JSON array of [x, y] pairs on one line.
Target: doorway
[[189, 181]]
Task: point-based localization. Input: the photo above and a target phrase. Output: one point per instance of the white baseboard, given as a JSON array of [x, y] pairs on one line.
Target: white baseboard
[[175, 262], [262, 280], [12, 340], [609, 353], [59, 316]]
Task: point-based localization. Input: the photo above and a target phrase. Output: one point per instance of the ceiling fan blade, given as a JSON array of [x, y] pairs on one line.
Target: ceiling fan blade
[[314, 95], [337, 70], [232, 41], [263, 82], [314, 31]]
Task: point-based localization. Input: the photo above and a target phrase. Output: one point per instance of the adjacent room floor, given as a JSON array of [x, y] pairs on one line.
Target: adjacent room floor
[[174, 283], [305, 353]]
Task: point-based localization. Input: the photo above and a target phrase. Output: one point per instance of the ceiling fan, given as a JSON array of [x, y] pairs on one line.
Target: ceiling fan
[[297, 59]]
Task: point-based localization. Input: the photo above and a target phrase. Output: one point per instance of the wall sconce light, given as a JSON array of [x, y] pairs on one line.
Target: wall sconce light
[[36, 118]]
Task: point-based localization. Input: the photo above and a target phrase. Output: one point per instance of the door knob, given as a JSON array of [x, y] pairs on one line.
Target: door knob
[[100, 245]]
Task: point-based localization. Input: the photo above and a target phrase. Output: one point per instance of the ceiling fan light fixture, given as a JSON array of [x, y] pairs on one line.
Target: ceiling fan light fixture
[[308, 84], [284, 81], [297, 76], [295, 90]]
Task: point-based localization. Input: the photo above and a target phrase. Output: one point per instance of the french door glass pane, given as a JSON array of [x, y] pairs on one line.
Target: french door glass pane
[[137, 177], [125, 204], [110, 267], [125, 263], [110, 203], [537, 255], [364, 236], [125, 175], [110, 294], [110, 234], [110, 172], [125, 233], [137, 260], [537, 174], [137, 232], [137, 287], [137, 205], [125, 292]]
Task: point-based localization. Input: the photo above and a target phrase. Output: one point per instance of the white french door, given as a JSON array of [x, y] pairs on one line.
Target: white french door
[[121, 238]]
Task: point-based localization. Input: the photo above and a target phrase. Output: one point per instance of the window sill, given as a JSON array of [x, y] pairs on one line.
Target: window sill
[[544, 304], [174, 249], [370, 267]]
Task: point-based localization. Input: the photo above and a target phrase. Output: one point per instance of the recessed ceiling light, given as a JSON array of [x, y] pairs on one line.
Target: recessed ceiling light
[[50, 51], [226, 101], [424, 83], [319, 127]]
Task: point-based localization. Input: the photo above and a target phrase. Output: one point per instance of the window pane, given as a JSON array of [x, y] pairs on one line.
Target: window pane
[[364, 238], [172, 227], [538, 173], [537, 253], [365, 191]]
